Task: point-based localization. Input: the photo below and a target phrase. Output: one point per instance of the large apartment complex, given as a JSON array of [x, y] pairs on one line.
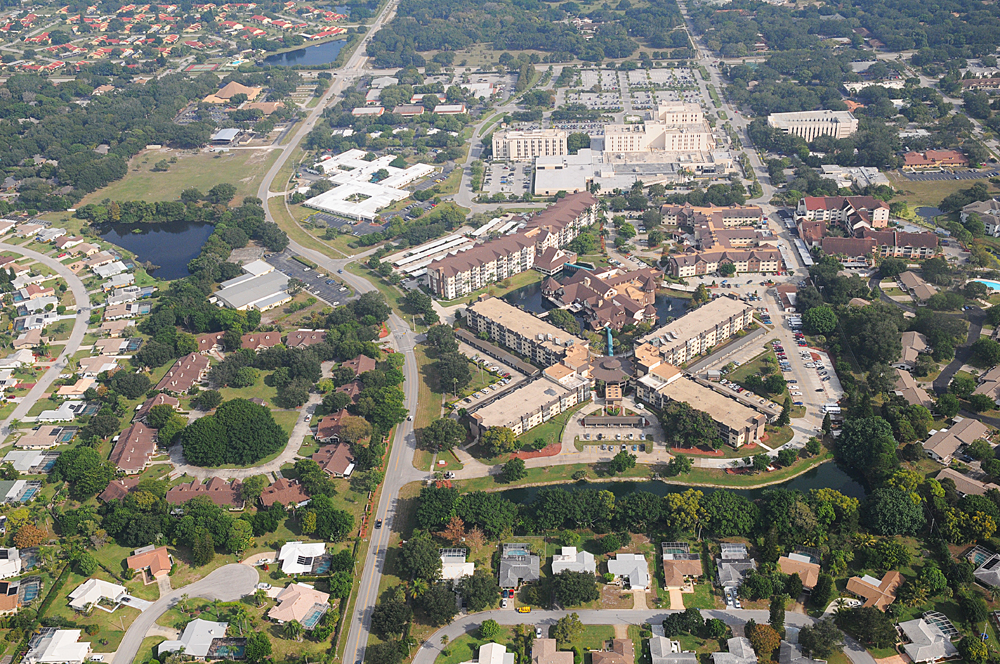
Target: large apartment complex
[[698, 331], [707, 262], [467, 271], [520, 331], [526, 145], [554, 392], [812, 124], [845, 210], [675, 127]]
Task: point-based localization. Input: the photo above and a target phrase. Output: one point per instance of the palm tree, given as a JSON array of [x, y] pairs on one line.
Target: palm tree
[[293, 630], [418, 588], [260, 597]]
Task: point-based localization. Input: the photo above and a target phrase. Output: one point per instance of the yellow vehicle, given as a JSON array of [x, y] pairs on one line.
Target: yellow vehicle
[[524, 609]]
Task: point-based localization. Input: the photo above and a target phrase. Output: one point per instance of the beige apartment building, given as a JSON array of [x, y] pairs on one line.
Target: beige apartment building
[[528, 406], [698, 331], [526, 145], [707, 262], [518, 330], [739, 425], [812, 124], [675, 127]]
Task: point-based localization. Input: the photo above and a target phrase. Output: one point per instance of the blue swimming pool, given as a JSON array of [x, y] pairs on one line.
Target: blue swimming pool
[[311, 620], [993, 285], [28, 494], [515, 552], [30, 592]]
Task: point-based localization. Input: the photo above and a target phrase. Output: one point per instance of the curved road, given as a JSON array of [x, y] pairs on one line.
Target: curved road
[[432, 647], [72, 344], [227, 583]]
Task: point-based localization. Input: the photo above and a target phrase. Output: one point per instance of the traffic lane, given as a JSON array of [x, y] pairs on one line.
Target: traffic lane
[[315, 280]]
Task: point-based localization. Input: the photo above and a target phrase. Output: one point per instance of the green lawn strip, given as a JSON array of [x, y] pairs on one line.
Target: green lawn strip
[[112, 626], [718, 477], [551, 431], [703, 597], [147, 649], [466, 647], [519, 280], [549, 474]]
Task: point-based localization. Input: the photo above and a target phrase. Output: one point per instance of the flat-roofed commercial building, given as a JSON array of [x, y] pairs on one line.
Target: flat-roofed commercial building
[[811, 124], [520, 331], [675, 127], [738, 424], [697, 331], [526, 145], [527, 407]]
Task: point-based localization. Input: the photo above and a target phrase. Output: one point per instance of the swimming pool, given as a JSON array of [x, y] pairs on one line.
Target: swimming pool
[[323, 566], [28, 494], [311, 620], [993, 285], [31, 592], [515, 552]]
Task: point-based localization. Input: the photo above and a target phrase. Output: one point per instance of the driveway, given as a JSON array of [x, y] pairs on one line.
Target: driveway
[[72, 344], [227, 583]]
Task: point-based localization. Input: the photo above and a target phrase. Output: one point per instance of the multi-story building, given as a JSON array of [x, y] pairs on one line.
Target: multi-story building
[[738, 424], [470, 270], [698, 331], [675, 127], [714, 217], [537, 402], [707, 262], [518, 330], [897, 244], [613, 298], [849, 211], [812, 124], [988, 212], [526, 145]]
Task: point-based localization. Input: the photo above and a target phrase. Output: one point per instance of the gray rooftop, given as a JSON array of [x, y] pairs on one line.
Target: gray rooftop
[[664, 651], [517, 568], [197, 638]]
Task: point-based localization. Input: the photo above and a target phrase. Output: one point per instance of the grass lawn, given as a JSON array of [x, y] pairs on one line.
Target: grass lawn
[[466, 647], [519, 280], [242, 168], [112, 625], [428, 403], [563, 473], [917, 194], [703, 597], [147, 649], [713, 477], [259, 390]]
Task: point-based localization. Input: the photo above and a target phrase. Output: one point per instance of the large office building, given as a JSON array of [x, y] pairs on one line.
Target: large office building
[[474, 268], [520, 331], [812, 124], [526, 145], [698, 331], [675, 127], [738, 424]]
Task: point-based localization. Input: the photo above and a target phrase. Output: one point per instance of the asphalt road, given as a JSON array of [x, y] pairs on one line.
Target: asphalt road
[[432, 647], [227, 583], [72, 344]]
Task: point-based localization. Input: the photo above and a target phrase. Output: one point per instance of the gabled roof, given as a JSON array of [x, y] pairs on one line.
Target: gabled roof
[[219, 491], [879, 594], [284, 491], [157, 560], [927, 642]]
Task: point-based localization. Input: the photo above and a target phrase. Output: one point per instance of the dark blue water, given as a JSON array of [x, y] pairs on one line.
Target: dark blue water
[[170, 246], [828, 475], [928, 212], [310, 56]]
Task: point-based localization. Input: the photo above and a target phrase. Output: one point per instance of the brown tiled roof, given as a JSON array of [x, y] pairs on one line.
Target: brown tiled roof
[[157, 560], [258, 340], [361, 364], [352, 389], [848, 246], [118, 489], [134, 448], [185, 373], [901, 239], [221, 492], [487, 252], [622, 652], [158, 400], [284, 491], [305, 338], [811, 231], [334, 459], [564, 212], [207, 341], [879, 596], [329, 427], [808, 572]]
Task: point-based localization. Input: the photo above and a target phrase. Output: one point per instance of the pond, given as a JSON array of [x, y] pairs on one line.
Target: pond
[[170, 246], [828, 475], [311, 56], [928, 212]]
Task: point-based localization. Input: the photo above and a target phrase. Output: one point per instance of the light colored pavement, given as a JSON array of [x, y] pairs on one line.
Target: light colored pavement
[[227, 583], [75, 337], [466, 624]]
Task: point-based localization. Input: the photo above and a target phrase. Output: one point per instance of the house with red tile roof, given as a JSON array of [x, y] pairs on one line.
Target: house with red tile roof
[[219, 491], [335, 460], [284, 491], [134, 449], [152, 563]]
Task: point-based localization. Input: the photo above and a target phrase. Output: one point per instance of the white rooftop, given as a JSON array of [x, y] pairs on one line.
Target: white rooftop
[[92, 590], [297, 557]]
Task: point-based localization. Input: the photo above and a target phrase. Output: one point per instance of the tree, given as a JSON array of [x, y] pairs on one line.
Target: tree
[[130, 385], [258, 647], [973, 650], [763, 638], [203, 548], [389, 618], [679, 464], [239, 432], [776, 617], [962, 386], [452, 369], [948, 406], [479, 591], [353, 429], [293, 629], [512, 471], [86, 564], [575, 588], [891, 267], [981, 402], [240, 537], [867, 444], [822, 639], [819, 320], [621, 462], [221, 194], [454, 532], [868, 625], [566, 630], [489, 630], [420, 558], [384, 653], [252, 487], [499, 440], [438, 604], [729, 514], [442, 434], [340, 584], [891, 511], [28, 535], [786, 413], [986, 351], [727, 269], [823, 591]]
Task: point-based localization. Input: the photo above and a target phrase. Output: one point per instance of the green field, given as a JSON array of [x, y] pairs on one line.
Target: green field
[[931, 193], [204, 170]]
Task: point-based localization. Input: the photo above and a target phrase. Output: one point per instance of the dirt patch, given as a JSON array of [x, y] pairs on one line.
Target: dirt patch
[[612, 597], [547, 451], [895, 659], [696, 451]]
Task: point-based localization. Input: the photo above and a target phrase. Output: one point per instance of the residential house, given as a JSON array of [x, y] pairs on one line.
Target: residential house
[[575, 561], [988, 572], [92, 591], [734, 564], [77, 389], [631, 569], [10, 597], [927, 642], [118, 489], [790, 653], [336, 460], [113, 347], [10, 563], [546, 651], [907, 387], [152, 562], [159, 400], [31, 462], [517, 565], [300, 338], [965, 485], [989, 384], [328, 428], [92, 367], [300, 557], [740, 652], [621, 652], [803, 565], [209, 342], [874, 592], [44, 437], [219, 491], [664, 651], [198, 638], [299, 601], [258, 341], [914, 343], [943, 444], [185, 374], [57, 646], [493, 653], [454, 564], [913, 284], [66, 412], [115, 328], [30, 339], [360, 364], [679, 564], [134, 449], [284, 491]]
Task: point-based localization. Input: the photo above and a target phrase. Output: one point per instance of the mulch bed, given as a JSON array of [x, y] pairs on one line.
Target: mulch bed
[[547, 451]]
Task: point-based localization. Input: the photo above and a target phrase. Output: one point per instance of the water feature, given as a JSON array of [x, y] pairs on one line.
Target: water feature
[[310, 56], [828, 475], [170, 246], [928, 212], [992, 285]]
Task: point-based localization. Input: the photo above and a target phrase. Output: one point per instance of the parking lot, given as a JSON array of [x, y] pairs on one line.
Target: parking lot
[[328, 288], [507, 178], [485, 395], [962, 175]]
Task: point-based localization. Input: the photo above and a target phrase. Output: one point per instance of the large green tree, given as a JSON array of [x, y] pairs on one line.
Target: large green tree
[[575, 588], [239, 432]]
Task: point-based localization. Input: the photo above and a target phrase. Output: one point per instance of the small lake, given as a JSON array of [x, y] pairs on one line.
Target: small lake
[[310, 56], [928, 212], [828, 475], [170, 246]]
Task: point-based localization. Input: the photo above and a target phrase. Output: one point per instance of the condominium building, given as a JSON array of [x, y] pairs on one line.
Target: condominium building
[[467, 271], [707, 262], [526, 145], [519, 331], [897, 244], [698, 331], [812, 124], [675, 127], [738, 424], [845, 210], [528, 406], [717, 217]]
